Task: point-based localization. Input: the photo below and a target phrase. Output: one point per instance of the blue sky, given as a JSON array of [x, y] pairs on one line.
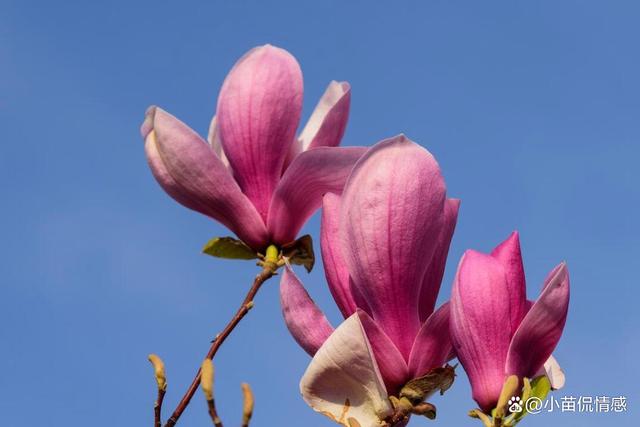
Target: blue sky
[[531, 109]]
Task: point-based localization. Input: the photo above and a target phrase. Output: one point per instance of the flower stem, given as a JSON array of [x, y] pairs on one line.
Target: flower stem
[[269, 269]]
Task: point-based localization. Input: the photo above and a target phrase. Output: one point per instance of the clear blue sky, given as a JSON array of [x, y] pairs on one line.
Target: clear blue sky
[[531, 107]]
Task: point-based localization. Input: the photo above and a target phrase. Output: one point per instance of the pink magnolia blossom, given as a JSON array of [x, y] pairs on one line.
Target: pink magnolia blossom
[[384, 247], [254, 175], [496, 332]]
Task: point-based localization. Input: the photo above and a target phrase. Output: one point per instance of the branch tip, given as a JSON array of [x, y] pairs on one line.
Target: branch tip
[[247, 404], [158, 368]]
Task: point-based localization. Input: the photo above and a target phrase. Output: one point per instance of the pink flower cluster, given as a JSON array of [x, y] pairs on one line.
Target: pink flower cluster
[[386, 228]]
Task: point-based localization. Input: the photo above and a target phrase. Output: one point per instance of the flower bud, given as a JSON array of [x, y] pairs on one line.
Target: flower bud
[[206, 378], [247, 405], [158, 367]]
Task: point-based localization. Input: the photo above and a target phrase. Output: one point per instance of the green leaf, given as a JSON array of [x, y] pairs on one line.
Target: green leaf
[[539, 389], [300, 252], [228, 247]]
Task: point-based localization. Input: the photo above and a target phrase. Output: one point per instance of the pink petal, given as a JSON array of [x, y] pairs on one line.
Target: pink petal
[[432, 346], [433, 276], [541, 328], [216, 143], [393, 367], [554, 372], [335, 268], [327, 123], [390, 221], [479, 312], [509, 254], [187, 168], [358, 298], [343, 380], [299, 193], [548, 280], [258, 113], [306, 322]]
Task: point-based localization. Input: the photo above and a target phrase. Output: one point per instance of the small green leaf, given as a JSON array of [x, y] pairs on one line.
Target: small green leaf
[[539, 388], [228, 247], [300, 252]]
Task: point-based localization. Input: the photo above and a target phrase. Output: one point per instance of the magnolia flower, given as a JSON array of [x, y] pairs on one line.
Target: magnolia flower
[[496, 332], [254, 175], [384, 246]]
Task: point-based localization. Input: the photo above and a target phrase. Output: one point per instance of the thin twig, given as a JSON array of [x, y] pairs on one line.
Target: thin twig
[[161, 381], [268, 270], [211, 403], [157, 407]]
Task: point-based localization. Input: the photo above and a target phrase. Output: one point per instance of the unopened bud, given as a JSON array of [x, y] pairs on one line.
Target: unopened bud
[[247, 405], [158, 368], [206, 379]]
